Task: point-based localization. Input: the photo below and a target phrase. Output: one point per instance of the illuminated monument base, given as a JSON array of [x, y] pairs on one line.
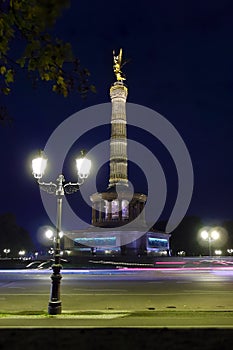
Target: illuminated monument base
[[111, 211], [89, 242]]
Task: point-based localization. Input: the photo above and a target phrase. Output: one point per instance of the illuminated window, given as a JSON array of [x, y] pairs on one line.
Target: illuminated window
[[115, 209], [157, 242], [83, 242], [106, 208], [125, 209]]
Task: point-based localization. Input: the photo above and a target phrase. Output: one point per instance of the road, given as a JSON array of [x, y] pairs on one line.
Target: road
[[105, 296]]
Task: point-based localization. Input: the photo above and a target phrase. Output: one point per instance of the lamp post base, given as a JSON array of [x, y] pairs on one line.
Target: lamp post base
[[54, 308]]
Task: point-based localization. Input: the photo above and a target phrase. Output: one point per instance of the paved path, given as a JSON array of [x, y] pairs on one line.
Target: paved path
[[140, 290], [125, 297]]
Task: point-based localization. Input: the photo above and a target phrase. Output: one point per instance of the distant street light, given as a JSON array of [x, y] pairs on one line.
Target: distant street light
[[230, 251], [218, 252], [6, 251], [210, 235], [181, 253], [22, 253], [39, 164], [51, 251], [49, 234]]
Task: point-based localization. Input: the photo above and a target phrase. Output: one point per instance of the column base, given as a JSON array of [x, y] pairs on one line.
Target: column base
[[54, 308]]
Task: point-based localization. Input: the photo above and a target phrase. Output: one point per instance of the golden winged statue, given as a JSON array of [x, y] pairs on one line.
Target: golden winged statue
[[117, 64]]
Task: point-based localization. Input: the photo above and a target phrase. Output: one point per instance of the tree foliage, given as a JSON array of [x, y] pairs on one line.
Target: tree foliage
[[27, 25], [13, 236], [185, 236]]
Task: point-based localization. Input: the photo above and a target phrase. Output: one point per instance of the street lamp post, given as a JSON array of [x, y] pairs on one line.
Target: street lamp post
[[59, 189], [6, 251], [210, 236]]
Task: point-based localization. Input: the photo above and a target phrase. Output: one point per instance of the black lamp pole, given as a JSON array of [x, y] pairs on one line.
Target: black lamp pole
[[55, 305], [59, 189]]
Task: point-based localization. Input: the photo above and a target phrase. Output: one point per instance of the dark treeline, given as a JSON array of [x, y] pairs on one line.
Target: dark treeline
[[12, 236]]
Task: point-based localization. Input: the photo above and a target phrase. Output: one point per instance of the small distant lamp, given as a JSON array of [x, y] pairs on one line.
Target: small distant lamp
[[214, 235], [49, 234], [204, 234], [22, 253]]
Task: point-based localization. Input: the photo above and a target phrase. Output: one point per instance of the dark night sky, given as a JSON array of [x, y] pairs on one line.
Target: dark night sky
[[181, 66]]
